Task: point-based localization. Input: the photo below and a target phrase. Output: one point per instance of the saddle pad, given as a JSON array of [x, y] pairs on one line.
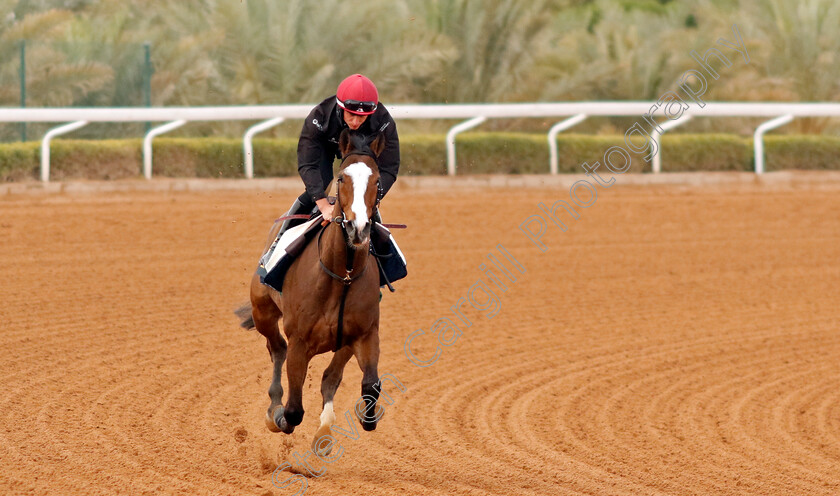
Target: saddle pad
[[284, 249], [392, 261], [279, 248], [276, 262]]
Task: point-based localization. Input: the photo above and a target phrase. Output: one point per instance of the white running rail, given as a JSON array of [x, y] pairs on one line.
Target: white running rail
[[45, 145], [758, 139], [450, 140], [247, 142], [147, 143], [656, 135], [553, 159], [401, 111]]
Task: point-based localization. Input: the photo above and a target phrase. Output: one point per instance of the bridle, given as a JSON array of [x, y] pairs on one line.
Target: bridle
[[350, 257], [342, 221]]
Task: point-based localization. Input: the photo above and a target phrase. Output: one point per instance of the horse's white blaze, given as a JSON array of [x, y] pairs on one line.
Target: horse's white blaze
[[360, 173], [328, 415]]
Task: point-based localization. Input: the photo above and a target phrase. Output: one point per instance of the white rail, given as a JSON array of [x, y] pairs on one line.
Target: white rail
[[450, 140], [147, 143], [45, 145], [554, 160], [405, 111], [247, 143], [656, 135], [758, 139]]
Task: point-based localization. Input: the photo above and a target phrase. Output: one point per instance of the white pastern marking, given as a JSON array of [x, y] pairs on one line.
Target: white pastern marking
[[360, 173], [328, 415]]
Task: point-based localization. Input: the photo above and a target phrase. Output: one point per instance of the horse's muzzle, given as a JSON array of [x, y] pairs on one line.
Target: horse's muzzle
[[355, 236]]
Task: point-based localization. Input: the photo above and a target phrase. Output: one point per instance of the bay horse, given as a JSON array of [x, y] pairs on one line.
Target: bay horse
[[336, 265]]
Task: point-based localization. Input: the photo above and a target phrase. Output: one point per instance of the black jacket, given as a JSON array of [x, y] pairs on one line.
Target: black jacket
[[318, 145]]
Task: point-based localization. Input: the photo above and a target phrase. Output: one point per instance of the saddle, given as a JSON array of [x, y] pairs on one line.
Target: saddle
[[286, 248]]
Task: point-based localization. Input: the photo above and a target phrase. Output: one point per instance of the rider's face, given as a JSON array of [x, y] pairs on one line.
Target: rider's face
[[354, 121]]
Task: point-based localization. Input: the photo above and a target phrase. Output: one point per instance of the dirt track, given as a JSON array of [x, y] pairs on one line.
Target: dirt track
[[675, 341]]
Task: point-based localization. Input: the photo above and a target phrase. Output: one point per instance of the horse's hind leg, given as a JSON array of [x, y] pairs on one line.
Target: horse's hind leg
[[367, 354], [329, 385]]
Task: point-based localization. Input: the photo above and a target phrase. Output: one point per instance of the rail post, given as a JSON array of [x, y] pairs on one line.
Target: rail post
[[450, 140], [248, 147], [45, 145], [758, 139], [147, 144], [554, 161], [656, 165]]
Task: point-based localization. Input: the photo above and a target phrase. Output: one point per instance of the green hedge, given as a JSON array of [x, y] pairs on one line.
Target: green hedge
[[477, 153], [223, 157], [19, 161], [802, 152]]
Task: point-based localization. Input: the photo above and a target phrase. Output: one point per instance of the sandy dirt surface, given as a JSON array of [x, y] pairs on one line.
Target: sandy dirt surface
[[674, 341]]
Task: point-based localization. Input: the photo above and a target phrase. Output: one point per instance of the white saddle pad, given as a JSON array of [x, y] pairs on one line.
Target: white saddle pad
[[278, 248]]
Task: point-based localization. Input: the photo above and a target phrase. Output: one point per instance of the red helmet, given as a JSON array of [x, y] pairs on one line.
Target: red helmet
[[357, 95]]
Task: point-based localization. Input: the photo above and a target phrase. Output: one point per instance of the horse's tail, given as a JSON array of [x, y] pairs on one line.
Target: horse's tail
[[245, 316]]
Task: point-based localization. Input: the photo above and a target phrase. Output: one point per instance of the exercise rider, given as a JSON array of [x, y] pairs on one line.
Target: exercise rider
[[355, 106]]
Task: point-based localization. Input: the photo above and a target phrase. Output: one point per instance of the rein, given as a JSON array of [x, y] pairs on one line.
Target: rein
[[347, 280], [351, 256], [309, 217], [350, 253]]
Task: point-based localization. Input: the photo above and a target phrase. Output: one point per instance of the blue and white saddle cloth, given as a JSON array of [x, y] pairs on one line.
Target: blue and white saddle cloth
[[286, 248]]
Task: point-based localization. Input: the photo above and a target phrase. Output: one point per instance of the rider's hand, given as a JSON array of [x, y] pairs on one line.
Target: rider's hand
[[326, 210]]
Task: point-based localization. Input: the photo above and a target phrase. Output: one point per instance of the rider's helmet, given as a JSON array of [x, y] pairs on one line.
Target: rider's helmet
[[357, 95]]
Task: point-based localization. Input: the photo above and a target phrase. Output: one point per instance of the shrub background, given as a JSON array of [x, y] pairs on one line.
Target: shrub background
[[477, 153]]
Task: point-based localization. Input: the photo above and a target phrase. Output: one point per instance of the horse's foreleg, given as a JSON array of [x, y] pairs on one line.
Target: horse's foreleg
[[266, 315], [329, 385], [296, 366], [367, 354]]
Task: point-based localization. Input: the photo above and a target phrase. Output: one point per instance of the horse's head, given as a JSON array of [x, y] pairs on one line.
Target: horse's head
[[358, 190]]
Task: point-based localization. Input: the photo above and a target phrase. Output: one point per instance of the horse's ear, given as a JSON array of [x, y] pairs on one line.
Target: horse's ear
[[378, 144], [344, 143]]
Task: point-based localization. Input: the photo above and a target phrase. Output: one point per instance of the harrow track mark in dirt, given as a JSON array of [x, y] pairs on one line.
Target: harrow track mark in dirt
[[675, 341]]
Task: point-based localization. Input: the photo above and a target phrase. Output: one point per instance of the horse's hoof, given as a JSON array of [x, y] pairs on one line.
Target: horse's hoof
[[369, 426], [369, 422], [269, 420], [292, 416], [320, 446], [280, 420]]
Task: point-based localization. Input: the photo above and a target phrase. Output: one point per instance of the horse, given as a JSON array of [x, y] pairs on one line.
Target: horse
[[329, 301]]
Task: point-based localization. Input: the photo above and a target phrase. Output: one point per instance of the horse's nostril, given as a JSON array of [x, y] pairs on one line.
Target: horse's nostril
[[360, 237]]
